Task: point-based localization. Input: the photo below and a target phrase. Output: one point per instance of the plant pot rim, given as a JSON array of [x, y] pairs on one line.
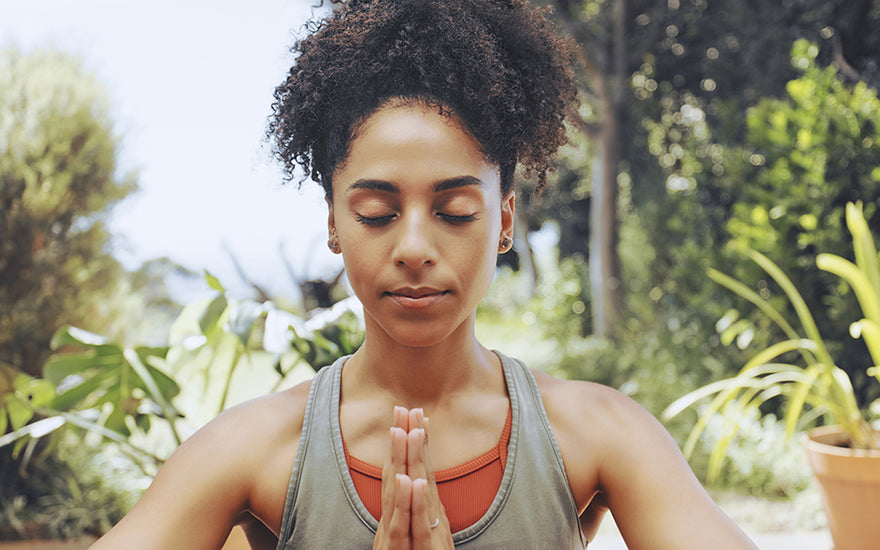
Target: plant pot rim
[[830, 440]]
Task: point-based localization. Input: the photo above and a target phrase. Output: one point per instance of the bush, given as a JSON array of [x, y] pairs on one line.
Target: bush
[[74, 490]]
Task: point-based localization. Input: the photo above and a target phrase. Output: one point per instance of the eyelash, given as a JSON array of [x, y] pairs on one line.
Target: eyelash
[[382, 220], [457, 220]]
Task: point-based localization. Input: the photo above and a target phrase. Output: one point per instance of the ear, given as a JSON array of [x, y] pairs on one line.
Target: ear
[[333, 240], [331, 221], [508, 215]]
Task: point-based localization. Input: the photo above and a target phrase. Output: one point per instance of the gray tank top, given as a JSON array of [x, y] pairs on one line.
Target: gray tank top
[[534, 507]]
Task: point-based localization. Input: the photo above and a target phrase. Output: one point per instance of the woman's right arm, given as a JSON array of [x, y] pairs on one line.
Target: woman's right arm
[[226, 468]]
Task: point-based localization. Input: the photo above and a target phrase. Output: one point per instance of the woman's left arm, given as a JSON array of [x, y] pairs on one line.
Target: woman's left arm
[[611, 444]]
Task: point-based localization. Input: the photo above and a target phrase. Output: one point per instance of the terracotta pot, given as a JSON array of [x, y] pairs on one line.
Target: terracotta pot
[[849, 481]]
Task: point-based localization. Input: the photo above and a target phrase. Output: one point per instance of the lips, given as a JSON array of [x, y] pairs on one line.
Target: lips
[[416, 298]]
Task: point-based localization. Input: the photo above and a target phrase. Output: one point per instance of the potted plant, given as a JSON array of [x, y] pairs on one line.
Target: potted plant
[[845, 452]]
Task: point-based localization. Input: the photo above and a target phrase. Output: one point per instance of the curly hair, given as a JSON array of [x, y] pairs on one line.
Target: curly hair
[[496, 65]]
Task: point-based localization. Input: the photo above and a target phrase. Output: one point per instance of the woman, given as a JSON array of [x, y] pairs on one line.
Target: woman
[[413, 115]]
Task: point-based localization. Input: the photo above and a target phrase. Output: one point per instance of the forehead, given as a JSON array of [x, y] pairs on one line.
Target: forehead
[[414, 144]]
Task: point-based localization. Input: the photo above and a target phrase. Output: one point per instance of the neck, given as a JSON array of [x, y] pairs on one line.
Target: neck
[[423, 376]]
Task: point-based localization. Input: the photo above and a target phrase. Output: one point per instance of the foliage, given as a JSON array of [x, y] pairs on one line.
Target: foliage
[[58, 180], [119, 392], [214, 338], [802, 157], [60, 497], [810, 154], [761, 461], [690, 70], [814, 386], [653, 360]]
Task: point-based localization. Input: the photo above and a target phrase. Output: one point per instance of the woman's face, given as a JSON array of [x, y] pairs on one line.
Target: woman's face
[[419, 216]]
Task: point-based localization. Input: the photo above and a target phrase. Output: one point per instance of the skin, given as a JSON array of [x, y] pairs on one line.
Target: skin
[[419, 216]]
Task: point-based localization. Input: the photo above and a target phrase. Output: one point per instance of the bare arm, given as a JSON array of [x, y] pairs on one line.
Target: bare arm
[[611, 444], [232, 465]]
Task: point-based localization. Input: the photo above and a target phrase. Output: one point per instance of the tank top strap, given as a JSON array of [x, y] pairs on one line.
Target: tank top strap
[[318, 507]]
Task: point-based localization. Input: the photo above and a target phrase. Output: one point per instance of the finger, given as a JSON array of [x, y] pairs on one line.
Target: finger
[[395, 464], [426, 458], [402, 513], [415, 417], [394, 528], [415, 454], [419, 467], [401, 418], [423, 518]]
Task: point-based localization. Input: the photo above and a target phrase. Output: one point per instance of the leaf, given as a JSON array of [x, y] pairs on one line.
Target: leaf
[[68, 334], [857, 280], [869, 331], [745, 292], [36, 391], [796, 402], [167, 386], [152, 387], [19, 413], [800, 307], [115, 421], [213, 282], [61, 365], [143, 422], [863, 245], [76, 396], [242, 318], [212, 313]]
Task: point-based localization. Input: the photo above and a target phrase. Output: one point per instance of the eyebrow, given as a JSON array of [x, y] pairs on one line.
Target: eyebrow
[[388, 187]]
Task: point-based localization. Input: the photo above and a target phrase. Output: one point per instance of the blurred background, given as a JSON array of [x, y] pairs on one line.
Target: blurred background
[[154, 271]]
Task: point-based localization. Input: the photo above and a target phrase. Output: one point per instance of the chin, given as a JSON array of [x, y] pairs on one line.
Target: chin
[[418, 339], [418, 335]]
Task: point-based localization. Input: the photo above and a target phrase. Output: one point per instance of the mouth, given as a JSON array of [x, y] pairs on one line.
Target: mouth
[[416, 298], [418, 292]]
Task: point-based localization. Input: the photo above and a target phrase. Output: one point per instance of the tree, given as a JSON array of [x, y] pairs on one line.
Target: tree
[[644, 65], [58, 182]]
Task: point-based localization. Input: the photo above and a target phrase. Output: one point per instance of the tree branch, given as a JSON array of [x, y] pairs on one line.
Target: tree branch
[[262, 295], [842, 65]]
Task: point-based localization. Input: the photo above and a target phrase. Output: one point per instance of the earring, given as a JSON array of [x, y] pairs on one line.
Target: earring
[[333, 244], [505, 244]]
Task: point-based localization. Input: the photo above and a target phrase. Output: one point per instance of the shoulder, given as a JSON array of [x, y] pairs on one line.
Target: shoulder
[[239, 461], [591, 410], [603, 434], [260, 439], [612, 445], [261, 419]]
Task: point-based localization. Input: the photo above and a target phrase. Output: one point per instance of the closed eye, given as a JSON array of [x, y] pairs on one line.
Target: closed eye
[[456, 220], [374, 221]]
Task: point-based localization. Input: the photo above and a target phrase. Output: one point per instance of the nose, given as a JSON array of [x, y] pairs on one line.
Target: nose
[[415, 246]]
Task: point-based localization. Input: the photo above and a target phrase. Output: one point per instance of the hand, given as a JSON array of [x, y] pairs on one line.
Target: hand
[[410, 502]]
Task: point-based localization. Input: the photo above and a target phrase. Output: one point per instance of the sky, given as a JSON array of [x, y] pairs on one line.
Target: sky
[[190, 85]]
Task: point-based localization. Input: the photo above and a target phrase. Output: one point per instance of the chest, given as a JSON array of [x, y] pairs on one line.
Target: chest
[[456, 434]]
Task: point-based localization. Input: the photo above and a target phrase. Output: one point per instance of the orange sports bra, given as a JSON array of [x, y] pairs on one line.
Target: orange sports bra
[[466, 490]]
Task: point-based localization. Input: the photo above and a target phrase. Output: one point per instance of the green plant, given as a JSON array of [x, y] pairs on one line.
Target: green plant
[[120, 392], [99, 390], [814, 386], [74, 490]]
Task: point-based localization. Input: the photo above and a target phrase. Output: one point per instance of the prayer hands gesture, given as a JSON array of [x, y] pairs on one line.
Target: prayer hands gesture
[[413, 518]]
